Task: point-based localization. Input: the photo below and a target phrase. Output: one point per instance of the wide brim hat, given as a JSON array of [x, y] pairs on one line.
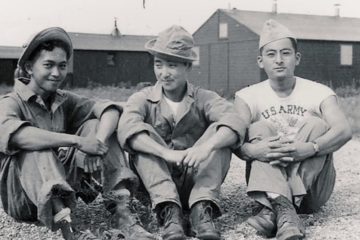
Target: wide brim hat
[[272, 31], [48, 34], [174, 43]]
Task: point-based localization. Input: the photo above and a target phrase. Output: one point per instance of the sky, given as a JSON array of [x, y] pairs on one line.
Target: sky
[[19, 19]]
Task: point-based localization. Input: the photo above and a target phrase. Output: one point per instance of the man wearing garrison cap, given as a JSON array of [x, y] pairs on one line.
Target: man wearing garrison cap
[[295, 126], [179, 138]]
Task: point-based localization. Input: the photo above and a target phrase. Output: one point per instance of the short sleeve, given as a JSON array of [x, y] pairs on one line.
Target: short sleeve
[[81, 109], [11, 120], [248, 96], [132, 121], [222, 112]]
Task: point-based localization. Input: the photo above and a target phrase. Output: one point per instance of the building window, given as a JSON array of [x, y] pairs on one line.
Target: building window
[[223, 30], [197, 51], [110, 59], [346, 54]]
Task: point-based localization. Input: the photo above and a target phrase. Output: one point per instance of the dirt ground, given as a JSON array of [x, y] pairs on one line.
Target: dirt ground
[[338, 219]]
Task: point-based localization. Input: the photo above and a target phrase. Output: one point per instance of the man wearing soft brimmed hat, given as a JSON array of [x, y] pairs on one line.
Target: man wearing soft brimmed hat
[[295, 126], [56, 146], [179, 137]]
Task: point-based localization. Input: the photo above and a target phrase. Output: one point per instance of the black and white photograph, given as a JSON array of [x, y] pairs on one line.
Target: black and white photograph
[[179, 120]]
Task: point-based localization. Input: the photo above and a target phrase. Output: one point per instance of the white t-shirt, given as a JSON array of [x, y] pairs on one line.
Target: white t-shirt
[[285, 112], [174, 107]]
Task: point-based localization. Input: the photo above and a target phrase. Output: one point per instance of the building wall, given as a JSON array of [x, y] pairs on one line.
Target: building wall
[[321, 62], [226, 65], [7, 69], [126, 68]]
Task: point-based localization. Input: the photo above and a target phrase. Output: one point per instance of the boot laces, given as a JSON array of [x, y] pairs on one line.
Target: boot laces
[[286, 212], [168, 215], [206, 214]]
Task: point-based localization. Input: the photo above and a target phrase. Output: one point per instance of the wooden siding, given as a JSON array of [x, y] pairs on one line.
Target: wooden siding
[[226, 65], [243, 68], [320, 62], [7, 68], [130, 68]]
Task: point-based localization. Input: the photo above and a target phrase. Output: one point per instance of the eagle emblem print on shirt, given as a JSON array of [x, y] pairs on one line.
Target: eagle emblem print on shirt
[[284, 118]]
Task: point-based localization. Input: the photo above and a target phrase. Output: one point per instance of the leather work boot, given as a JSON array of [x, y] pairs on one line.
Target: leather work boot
[[201, 220], [289, 224], [123, 221], [264, 222], [170, 216], [69, 233], [129, 225]]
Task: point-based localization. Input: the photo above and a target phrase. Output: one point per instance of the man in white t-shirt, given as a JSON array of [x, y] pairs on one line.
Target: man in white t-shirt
[[295, 126]]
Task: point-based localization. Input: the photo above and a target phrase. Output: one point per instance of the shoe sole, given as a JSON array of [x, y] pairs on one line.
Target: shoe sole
[[175, 237], [292, 233], [208, 236], [267, 231]]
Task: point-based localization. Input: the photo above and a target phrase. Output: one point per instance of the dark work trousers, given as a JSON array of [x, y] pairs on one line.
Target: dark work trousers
[[29, 180]]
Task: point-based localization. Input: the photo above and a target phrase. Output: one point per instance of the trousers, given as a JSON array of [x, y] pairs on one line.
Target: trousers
[[29, 180], [308, 183], [166, 182]]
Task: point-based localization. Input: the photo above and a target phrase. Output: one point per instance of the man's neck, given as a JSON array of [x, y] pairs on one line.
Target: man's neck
[[283, 86], [176, 95]]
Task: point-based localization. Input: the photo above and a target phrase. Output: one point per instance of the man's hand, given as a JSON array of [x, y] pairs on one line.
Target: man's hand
[[92, 146], [195, 155], [92, 163], [296, 150], [270, 149], [174, 156]]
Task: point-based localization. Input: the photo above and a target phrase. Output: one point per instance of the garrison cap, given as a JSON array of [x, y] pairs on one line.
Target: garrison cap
[[273, 31]]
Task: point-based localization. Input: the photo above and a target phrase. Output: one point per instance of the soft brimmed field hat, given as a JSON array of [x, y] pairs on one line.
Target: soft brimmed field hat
[[273, 31], [48, 34], [174, 43]]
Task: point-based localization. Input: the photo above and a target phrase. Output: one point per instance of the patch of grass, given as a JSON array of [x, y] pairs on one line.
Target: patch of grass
[[5, 89], [106, 92], [350, 106], [347, 91]]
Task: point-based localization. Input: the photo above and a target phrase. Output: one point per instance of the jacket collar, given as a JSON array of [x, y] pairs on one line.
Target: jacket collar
[[26, 94], [156, 92], [21, 88]]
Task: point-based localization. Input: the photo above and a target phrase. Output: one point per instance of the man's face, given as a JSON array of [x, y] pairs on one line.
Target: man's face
[[279, 59], [171, 74], [48, 70]]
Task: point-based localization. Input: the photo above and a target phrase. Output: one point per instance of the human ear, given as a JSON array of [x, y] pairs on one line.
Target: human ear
[[260, 61], [297, 57], [28, 68]]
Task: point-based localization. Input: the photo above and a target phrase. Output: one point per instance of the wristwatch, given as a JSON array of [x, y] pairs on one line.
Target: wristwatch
[[316, 147]]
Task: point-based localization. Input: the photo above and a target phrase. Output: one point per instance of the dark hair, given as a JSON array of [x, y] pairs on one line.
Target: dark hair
[[293, 43], [49, 46]]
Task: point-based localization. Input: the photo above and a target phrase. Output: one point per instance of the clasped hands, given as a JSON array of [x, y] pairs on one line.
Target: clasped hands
[[94, 151], [280, 150], [191, 157]]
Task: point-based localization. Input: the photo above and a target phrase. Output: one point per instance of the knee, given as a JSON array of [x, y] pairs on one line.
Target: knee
[[260, 130], [36, 155], [314, 125], [315, 122], [89, 127], [91, 124]]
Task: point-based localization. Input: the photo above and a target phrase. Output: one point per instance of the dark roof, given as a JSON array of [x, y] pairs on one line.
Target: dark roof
[[10, 52], [90, 41], [308, 27]]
